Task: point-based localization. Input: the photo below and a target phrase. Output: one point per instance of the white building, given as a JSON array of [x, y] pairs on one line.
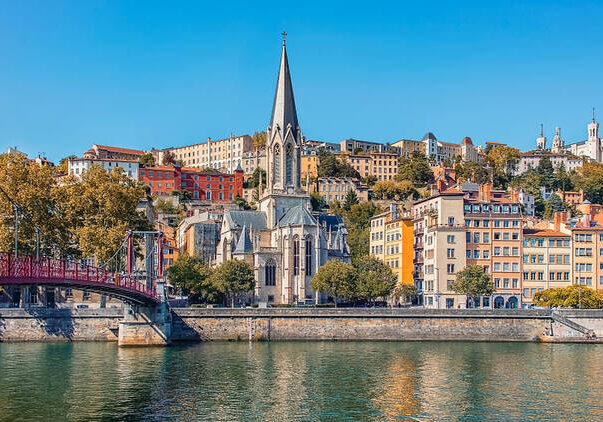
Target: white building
[[77, 166], [592, 147], [283, 241]]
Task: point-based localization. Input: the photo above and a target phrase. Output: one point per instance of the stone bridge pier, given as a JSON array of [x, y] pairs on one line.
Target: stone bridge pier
[[149, 325]]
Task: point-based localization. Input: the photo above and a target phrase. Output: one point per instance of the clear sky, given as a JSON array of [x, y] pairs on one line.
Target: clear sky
[[158, 74]]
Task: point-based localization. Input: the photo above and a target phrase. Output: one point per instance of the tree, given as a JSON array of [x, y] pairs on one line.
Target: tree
[[232, 278], [317, 202], [369, 180], [563, 179], [336, 278], [473, 281], [169, 159], [100, 208], [394, 191], [546, 172], [503, 160], [374, 279], [166, 207], [406, 292], [555, 203], [589, 178], [183, 195], [147, 160], [192, 276], [350, 199], [472, 171], [241, 203], [63, 167], [416, 169], [573, 296], [258, 140], [254, 180], [331, 166]]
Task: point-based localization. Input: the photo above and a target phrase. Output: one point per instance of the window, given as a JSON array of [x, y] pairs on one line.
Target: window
[[451, 221], [450, 268], [506, 267], [450, 238], [270, 273], [497, 282], [468, 253], [497, 266], [476, 237], [515, 251], [515, 283], [296, 256], [308, 262], [476, 223], [450, 253], [476, 254], [486, 254], [505, 283], [468, 237], [515, 267], [486, 237], [496, 223], [486, 223], [497, 251]]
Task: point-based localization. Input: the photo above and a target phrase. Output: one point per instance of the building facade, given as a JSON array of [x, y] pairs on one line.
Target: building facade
[[337, 188], [283, 242], [77, 166], [201, 185], [382, 165], [223, 154]]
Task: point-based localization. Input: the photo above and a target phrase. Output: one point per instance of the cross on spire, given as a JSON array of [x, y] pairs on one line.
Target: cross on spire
[[284, 34]]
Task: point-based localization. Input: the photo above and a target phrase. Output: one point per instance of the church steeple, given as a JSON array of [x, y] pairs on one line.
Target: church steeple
[[283, 108]]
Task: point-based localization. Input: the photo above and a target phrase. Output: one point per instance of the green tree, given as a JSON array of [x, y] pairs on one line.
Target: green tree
[[254, 180], [147, 160], [416, 169], [241, 203], [473, 281], [100, 208], [573, 296], [546, 172], [192, 276], [555, 203], [503, 160], [369, 180], [473, 171], [589, 178], [563, 179], [336, 278], [404, 292], [350, 199], [233, 278], [374, 279], [331, 166], [169, 159]]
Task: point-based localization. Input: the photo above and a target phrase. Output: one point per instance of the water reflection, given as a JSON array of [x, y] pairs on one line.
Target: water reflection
[[302, 381]]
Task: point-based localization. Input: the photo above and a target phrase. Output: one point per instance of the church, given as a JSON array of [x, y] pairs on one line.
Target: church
[[283, 241]]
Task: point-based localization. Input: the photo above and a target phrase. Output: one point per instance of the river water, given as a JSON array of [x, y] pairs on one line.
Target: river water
[[306, 381]]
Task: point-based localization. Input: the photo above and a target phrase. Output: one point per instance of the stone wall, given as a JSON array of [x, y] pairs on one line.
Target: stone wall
[[43, 324], [359, 324]]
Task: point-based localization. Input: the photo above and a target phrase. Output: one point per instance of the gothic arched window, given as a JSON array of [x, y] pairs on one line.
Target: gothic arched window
[[296, 255], [289, 165], [270, 273], [277, 163], [309, 255]]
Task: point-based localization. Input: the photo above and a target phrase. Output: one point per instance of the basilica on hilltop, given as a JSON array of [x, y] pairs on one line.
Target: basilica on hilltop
[[283, 240]]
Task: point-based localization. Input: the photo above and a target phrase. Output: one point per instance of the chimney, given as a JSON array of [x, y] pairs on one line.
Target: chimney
[[559, 217], [485, 191]]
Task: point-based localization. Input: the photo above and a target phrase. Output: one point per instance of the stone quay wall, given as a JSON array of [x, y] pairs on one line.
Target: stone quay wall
[[198, 324], [45, 324], [195, 324]]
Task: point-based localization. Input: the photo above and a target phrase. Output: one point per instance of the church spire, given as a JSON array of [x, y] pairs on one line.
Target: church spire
[[283, 108]]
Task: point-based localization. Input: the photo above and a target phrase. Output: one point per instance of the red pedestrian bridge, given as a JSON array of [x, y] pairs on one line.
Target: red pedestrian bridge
[[27, 270]]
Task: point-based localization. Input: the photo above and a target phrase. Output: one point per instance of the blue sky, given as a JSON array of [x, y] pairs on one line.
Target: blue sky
[[158, 74]]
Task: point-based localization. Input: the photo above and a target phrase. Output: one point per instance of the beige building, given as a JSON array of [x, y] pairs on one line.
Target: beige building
[[546, 261], [252, 160], [377, 235], [337, 188], [407, 146], [224, 154], [439, 251], [382, 165]]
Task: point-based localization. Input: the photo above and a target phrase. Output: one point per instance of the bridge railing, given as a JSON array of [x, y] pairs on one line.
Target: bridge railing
[[26, 266]]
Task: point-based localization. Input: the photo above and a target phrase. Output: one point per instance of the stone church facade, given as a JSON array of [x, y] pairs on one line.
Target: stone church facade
[[283, 241]]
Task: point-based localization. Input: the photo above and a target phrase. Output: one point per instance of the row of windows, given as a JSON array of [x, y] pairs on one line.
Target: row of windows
[[506, 267], [530, 292], [336, 188], [496, 209], [477, 254], [539, 276], [485, 237], [540, 242], [506, 283], [539, 259], [496, 223]]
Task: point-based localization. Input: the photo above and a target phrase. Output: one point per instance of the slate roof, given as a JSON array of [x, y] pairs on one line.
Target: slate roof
[[283, 108], [296, 216], [244, 244], [429, 135], [332, 222], [251, 219]]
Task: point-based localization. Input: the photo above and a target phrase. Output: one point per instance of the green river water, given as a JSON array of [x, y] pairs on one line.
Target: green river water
[[306, 381]]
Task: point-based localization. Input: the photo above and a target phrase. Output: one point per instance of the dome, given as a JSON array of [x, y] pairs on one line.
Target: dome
[[467, 141], [429, 136]]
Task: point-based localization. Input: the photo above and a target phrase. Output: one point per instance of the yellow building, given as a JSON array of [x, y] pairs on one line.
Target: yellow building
[[337, 188], [309, 164], [408, 146], [382, 165]]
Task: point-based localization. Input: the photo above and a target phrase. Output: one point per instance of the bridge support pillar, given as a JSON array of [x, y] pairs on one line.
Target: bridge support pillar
[[146, 325]]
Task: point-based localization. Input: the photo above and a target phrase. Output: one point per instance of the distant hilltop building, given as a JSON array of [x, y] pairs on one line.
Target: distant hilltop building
[[112, 153], [283, 241]]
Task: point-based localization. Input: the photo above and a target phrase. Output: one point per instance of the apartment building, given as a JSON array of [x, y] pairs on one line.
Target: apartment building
[[377, 235], [163, 180], [309, 166], [224, 154], [587, 253], [78, 166], [546, 262], [407, 146], [254, 159], [382, 165], [353, 145], [439, 248], [493, 240], [337, 188], [106, 152]]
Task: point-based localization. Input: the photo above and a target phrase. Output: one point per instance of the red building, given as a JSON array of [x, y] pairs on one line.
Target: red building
[[163, 180]]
